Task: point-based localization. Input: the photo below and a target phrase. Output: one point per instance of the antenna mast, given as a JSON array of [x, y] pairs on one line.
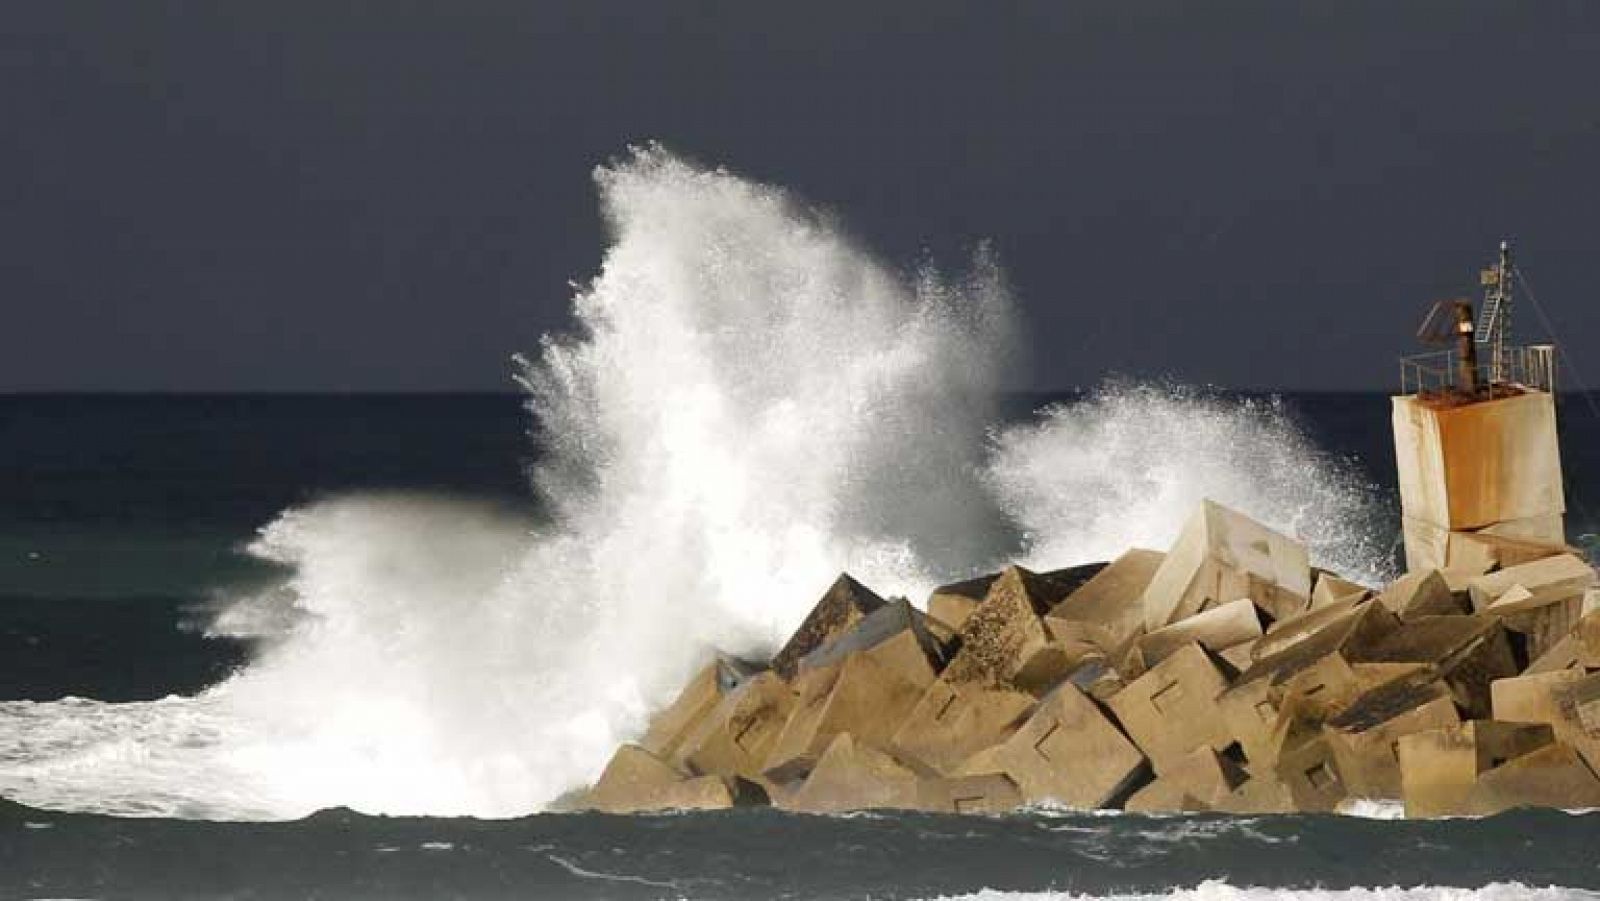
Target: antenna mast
[[1494, 320]]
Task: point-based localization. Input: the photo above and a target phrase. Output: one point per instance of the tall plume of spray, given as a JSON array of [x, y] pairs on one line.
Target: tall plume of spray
[[750, 405]]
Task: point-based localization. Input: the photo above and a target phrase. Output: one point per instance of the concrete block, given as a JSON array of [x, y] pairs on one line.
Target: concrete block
[[853, 775], [844, 605], [1202, 780], [637, 780], [669, 727], [1470, 466], [1069, 752], [1423, 593], [1352, 634], [1564, 654], [1547, 529], [1250, 713], [895, 636], [1049, 666], [952, 604], [1543, 627], [1427, 545], [1552, 776], [1493, 550], [1002, 634], [1285, 632], [1440, 768], [1217, 542], [988, 793], [1216, 630], [1568, 700], [1310, 773], [1587, 636], [1239, 658], [1363, 735], [1469, 653], [1262, 793], [1172, 709], [1465, 550], [858, 696], [953, 722], [1329, 589], [1057, 585], [1547, 581], [1110, 603], [735, 737]]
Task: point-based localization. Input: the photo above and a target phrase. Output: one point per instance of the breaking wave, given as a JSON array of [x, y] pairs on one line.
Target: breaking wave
[[1122, 467], [749, 404]]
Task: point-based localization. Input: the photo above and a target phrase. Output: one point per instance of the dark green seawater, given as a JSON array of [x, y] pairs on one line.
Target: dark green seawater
[[122, 524]]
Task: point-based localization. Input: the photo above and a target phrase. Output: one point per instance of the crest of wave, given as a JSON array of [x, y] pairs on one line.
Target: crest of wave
[[749, 406], [1126, 465]]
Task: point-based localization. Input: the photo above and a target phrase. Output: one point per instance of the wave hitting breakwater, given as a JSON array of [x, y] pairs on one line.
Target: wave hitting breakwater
[[748, 404]]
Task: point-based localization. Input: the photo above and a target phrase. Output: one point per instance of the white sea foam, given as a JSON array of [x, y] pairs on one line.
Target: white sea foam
[[1124, 467], [749, 405], [1216, 890]]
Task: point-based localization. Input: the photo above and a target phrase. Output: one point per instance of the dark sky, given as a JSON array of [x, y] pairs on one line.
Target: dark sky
[[394, 196]]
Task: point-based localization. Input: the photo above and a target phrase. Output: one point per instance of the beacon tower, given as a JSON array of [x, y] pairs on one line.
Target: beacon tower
[[1475, 430]]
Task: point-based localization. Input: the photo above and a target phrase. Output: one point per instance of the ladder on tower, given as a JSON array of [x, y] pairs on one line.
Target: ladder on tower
[[1494, 317]]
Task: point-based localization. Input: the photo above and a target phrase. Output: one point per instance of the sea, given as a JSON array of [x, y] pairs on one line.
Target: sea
[[358, 646]]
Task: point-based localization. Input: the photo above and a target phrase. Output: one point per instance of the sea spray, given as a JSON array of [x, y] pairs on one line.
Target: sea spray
[[748, 404], [1126, 464]]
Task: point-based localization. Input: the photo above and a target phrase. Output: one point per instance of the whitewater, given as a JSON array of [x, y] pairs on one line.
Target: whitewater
[[748, 403]]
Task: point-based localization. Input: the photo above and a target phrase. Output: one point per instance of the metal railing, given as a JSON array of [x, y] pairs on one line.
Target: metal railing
[[1531, 366]]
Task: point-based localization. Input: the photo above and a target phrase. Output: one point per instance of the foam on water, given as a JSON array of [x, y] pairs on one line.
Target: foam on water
[[748, 405], [1221, 891]]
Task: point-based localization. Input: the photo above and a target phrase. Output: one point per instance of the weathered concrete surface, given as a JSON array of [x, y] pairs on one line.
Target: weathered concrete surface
[[1221, 556], [1352, 634], [1440, 768], [1328, 588], [1568, 700], [1002, 634], [846, 603], [1216, 630], [1109, 606], [1552, 776], [858, 696], [984, 793], [1202, 780], [1310, 773], [1546, 581], [1488, 550], [671, 726], [951, 722], [1469, 653], [895, 636], [1250, 713], [853, 775], [952, 604], [1172, 709], [637, 780], [1471, 466], [1262, 793], [1542, 628], [1363, 735], [1069, 752], [734, 738], [1425, 593]]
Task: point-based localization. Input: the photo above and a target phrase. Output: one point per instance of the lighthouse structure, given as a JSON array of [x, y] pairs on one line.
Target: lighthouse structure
[[1475, 433]]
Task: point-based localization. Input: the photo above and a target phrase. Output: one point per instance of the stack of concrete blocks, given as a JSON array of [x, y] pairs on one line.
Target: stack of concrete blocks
[[1223, 674]]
